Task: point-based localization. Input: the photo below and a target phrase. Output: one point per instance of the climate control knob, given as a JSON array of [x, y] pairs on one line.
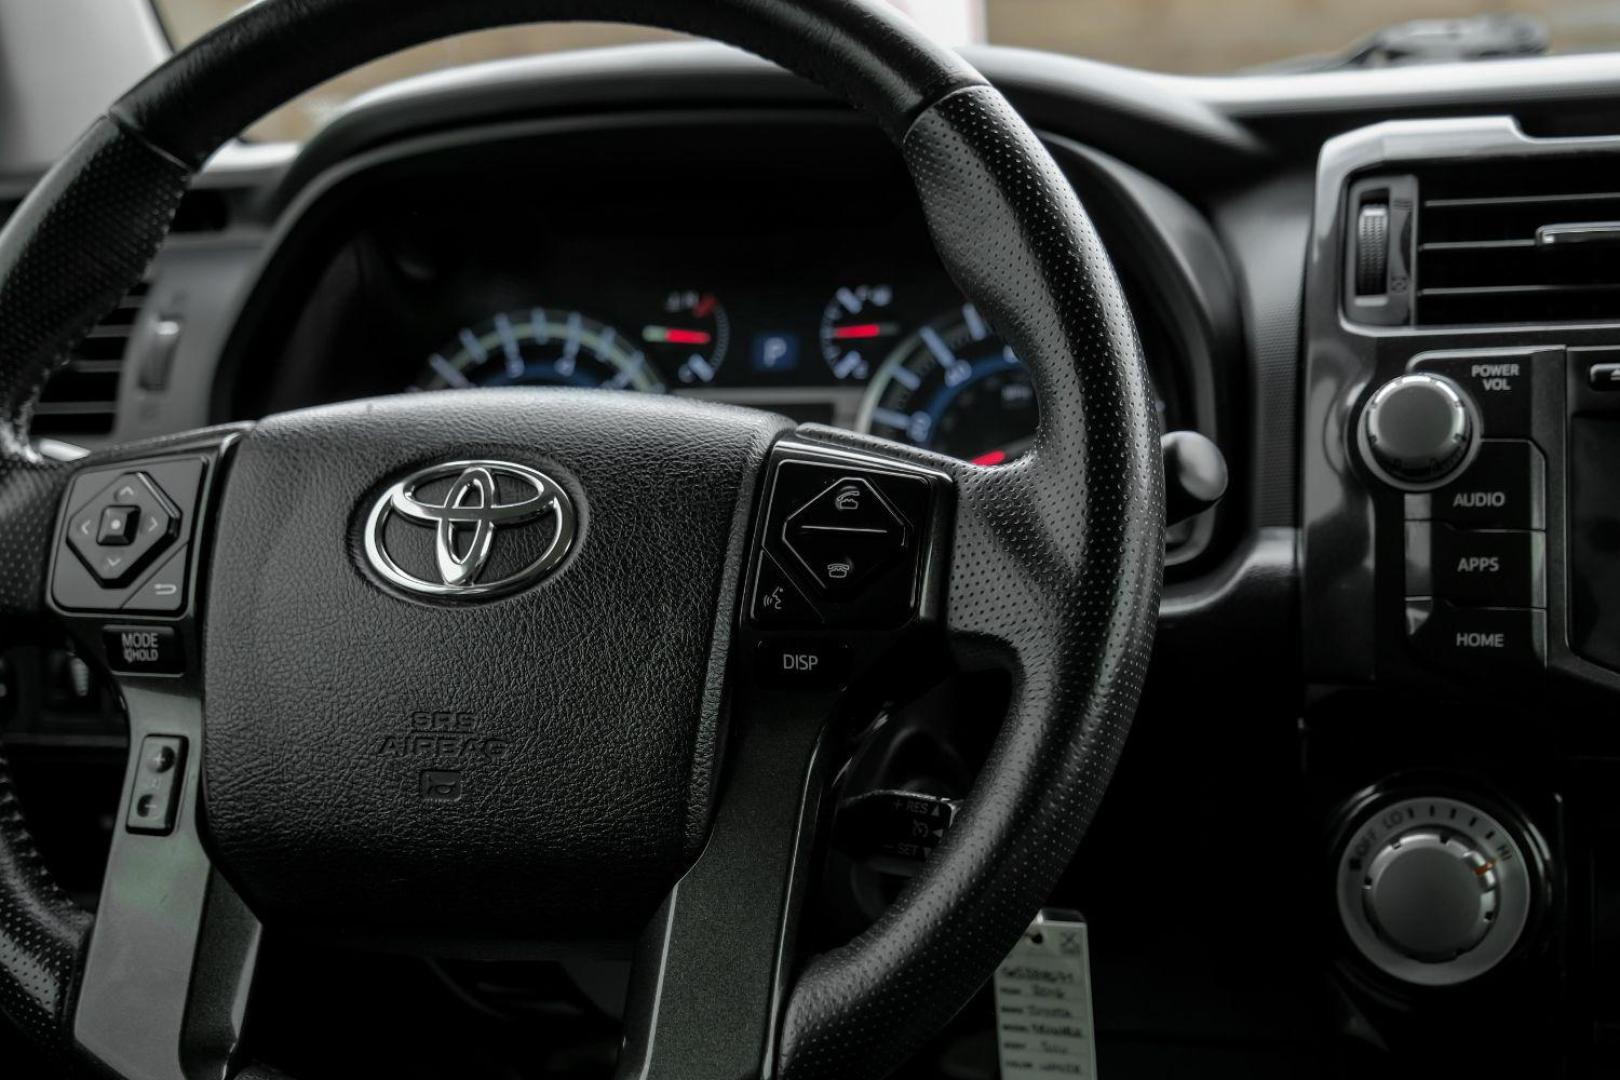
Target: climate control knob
[[1418, 430], [1434, 891], [1431, 894]]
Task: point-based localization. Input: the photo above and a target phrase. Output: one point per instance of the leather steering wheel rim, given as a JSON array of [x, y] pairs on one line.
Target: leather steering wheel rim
[[1056, 568]]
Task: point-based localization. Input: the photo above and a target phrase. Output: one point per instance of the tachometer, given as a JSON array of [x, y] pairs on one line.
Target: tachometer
[[540, 346], [856, 328], [956, 388]]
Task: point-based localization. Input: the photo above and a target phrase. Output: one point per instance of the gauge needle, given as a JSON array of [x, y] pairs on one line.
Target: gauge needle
[[1003, 454], [859, 331], [675, 335]]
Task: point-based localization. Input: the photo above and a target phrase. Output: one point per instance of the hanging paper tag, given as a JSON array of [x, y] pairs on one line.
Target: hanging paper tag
[[1043, 1002]]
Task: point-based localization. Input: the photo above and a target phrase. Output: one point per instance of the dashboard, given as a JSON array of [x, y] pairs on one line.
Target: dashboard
[[796, 277], [687, 221]]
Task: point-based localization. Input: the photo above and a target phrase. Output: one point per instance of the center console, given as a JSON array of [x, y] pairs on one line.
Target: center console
[[1461, 581]]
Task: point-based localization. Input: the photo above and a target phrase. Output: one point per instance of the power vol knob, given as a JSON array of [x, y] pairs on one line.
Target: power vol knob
[[1418, 431]]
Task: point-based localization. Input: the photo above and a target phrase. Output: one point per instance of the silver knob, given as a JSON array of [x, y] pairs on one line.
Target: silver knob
[[1434, 891], [1418, 430], [1431, 895]]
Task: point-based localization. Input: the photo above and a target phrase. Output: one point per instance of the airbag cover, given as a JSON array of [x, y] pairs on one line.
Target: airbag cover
[[536, 765]]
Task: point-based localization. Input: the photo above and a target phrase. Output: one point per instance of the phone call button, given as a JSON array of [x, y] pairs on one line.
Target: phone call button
[[845, 534]]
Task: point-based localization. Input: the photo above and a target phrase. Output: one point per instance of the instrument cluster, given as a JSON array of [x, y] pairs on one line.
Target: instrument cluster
[[938, 378], [788, 270]]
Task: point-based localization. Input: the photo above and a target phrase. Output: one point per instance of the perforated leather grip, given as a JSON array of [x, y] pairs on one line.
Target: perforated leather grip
[[1055, 576], [42, 935], [66, 257], [864, 52]]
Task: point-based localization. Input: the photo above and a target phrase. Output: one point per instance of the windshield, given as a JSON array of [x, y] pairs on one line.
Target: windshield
[[1183, 36]]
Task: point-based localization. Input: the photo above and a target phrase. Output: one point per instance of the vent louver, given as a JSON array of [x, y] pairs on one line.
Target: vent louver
[[82, 397], [1503, 242]]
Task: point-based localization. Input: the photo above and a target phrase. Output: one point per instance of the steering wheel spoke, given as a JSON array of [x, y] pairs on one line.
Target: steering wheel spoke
[[843, 575], [171, 952], [173, 948], [712, 970]]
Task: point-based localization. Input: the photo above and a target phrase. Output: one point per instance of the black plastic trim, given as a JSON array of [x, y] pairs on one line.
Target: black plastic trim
[[1351, 524]]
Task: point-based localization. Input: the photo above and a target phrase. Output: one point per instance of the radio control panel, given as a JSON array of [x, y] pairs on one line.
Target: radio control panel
[[1452, 436]]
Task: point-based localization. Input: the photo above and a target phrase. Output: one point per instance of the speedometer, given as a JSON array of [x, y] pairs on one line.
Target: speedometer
[[540, 346], [956, 388]]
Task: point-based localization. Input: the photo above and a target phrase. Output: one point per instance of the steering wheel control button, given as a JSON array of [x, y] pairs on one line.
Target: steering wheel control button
[[1477, 640], [802, 664], [779, 603], [162, 759], [852, 536], [1489, 568], [120, 537], [154, 797], [845, 534], [164, 590], [841, 560], [893, 831], [144, 650], [1499, 382], [133, 522], [1504, 488], [850, 502], [118, 526], [1418, 430]]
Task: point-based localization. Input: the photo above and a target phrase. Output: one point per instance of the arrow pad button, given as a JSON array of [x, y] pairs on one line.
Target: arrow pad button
[[123, 529]]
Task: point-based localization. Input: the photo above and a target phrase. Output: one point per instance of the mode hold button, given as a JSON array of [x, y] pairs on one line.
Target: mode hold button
[[1477, 639], [144, 650]]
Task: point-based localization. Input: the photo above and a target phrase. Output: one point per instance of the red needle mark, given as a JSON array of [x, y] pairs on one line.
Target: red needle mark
[[677, 336], [704, 306], [857, 331], [991, 457]]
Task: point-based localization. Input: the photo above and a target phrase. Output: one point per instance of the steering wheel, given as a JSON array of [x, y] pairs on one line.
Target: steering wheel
[[493, 672]]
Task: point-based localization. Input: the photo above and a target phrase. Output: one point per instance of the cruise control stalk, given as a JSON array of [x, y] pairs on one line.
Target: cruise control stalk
[[1195, 475]]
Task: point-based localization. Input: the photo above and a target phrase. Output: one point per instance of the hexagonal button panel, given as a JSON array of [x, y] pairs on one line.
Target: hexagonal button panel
[[122, 529], [844, 535]]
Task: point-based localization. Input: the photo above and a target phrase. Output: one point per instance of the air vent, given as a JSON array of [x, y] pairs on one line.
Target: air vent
[[82, 397], [1531, 241]]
